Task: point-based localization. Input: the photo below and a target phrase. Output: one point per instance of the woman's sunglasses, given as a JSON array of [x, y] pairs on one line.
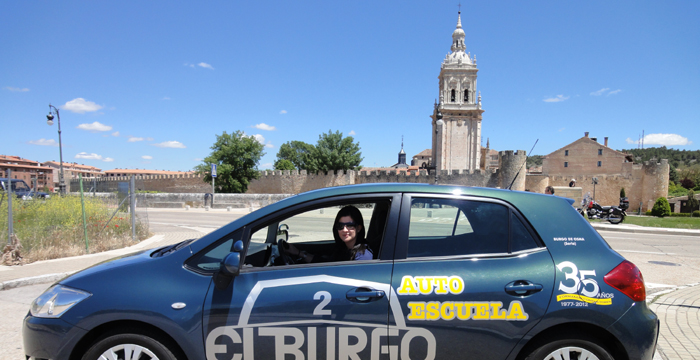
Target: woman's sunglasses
[[341, 225]]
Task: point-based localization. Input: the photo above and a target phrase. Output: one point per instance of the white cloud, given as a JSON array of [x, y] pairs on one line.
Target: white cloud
[[266, 166], [351, 133], [116, 133], [663, 140], [269, 145], [606, 92], [14, 89], [135, 139], [149, 139], [283, 111], [81, 106], [259, 138], [170, 144], [263, 126], [600, 92], [94, 127], [92, 156], [558, 98], [205, 65], [44, 142], [562, 129], [165, 98], [198, 159], [147, 157]]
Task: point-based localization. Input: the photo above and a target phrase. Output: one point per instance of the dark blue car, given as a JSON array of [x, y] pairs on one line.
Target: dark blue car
[[415, 272], [22, 190]]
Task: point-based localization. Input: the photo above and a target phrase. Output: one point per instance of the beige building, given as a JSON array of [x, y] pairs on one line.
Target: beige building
[[143, 172], [585, 156], [456, 119], [71, 171], [602, 172]]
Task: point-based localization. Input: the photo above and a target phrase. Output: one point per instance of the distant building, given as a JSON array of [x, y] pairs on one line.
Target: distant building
[[71, 171], [423, 159], [585, 156], [28, 170], [401, 164]]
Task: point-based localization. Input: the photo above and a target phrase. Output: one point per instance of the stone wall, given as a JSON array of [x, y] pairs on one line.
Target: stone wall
[[198, 200]]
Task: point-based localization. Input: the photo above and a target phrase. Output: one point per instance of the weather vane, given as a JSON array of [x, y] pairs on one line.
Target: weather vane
[[459, 7]]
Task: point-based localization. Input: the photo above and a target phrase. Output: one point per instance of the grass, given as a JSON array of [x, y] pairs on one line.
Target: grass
[[665, 222], [53, 228]]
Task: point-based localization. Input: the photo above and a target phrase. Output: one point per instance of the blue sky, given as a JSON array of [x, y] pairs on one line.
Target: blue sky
[[148, 84]]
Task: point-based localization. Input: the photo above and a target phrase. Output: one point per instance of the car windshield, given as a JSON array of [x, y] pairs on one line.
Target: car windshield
[[19, 185]]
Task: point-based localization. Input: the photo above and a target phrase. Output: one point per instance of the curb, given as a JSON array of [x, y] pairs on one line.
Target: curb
[[646, 230], [34, 280]]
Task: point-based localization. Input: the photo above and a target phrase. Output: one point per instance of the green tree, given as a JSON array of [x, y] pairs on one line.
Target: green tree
[[673, 175], [284, 164], [296, 152], [661, 208], [693, 203], [622, 192], [237, 156], [335, 152]]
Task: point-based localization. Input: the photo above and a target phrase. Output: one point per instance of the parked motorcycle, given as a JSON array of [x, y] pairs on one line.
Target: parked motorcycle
[[613, 214]]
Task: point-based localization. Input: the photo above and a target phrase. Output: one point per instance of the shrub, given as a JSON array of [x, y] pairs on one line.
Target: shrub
[[688, 183], [680, 214], [661, 208], [622, 193], [696, 213]]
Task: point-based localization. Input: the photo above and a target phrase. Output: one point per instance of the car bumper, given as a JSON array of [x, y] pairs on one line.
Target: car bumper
[[49, 338], [638, 331]]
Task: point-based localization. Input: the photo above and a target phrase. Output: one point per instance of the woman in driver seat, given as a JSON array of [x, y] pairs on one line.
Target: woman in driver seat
[[349, 235]]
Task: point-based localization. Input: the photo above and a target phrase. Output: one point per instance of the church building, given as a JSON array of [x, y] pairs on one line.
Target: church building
[[456, 118]]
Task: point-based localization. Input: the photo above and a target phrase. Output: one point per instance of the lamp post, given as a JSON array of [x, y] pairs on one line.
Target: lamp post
[[49, 117], [438, 124]]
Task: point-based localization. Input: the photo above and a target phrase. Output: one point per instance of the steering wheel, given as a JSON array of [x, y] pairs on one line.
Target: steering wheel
[[282, 247]]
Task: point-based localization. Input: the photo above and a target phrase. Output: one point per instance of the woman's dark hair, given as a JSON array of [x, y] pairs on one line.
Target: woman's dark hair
[[341, 249]]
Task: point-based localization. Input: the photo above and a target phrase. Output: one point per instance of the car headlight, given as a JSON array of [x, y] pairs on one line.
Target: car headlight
[[57, 300]]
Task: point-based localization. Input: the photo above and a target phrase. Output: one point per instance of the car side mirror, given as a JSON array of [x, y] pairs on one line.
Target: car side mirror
[[230, 267], [283, 233]]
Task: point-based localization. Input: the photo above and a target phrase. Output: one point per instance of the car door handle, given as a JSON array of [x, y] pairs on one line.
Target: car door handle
[[364, 294], [522, 288]]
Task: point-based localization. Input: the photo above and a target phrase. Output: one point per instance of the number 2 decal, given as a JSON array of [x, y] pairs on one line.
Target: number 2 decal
[[325, 298]]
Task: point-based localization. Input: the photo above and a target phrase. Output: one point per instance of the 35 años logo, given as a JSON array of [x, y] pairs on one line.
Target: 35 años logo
[[581, 285]]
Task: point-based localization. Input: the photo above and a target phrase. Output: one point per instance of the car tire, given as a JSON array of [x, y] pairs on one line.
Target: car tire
[[570, 349], [128, 347]]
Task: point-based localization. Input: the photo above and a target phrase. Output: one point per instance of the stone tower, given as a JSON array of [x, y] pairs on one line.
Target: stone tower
[[456, 118]]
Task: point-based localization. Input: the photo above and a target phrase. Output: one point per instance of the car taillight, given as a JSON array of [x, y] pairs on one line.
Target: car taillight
[[627, 278]]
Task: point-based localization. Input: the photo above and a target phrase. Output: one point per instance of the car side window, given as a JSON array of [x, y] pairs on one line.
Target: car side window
[[520, 238], [452, 227], [311, 231]]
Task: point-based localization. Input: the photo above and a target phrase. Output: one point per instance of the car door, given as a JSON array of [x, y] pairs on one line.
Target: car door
[[330, 310], [471, 273]]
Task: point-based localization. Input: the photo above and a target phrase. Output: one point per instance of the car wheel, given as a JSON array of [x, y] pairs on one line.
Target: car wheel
[[570, 349], [128, 347]]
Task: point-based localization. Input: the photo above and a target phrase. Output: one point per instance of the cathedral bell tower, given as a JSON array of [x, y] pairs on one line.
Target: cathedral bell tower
[[456, 118]]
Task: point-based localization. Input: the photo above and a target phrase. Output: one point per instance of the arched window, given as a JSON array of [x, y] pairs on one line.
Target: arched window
[[452, 98], [466, 96]]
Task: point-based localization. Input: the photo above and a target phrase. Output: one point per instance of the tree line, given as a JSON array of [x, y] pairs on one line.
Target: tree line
[[237, 156]]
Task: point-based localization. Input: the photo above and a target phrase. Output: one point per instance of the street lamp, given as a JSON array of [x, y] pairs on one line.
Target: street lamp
[[439, 124], [49, 117]]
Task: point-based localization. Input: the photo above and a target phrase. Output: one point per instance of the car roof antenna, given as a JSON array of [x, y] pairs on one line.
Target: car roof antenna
[[521, 168]]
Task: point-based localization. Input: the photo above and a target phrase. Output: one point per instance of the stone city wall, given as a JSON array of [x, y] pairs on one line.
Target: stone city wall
[[197, 200]]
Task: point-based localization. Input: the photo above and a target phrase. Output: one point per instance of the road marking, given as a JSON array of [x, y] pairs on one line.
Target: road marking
[[646, 252], [654, 286]]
